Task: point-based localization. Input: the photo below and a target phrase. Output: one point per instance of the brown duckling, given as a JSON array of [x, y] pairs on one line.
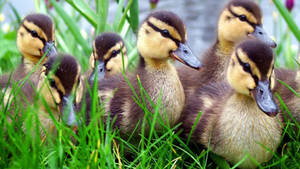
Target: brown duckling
[[108, 50], [35, 37], [290, 99], [60, 81], [239, 117], [239, 20], [161, 36]]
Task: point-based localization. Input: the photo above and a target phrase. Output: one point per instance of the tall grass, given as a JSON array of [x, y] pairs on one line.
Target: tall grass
[[97, 145]]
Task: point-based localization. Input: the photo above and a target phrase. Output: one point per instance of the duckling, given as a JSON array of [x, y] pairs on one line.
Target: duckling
[[108, 50], [291, 100], [239, 20], [161, 36], [35, 37], [63, 83], [239, 116]]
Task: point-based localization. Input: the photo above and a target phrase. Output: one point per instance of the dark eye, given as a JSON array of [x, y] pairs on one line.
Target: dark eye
[[113, 53], [247, 67], [165, 32], [34, 33], [52, 83], [243, 18]]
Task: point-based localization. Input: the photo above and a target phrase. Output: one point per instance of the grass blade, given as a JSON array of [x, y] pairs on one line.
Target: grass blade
[[69, 21], [288, 18]]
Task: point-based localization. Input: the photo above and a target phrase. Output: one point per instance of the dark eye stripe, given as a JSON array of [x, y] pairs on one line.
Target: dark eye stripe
[[236, 15], [162, 33], [114, 55], [247, 70], [34, 35], [53, 85]]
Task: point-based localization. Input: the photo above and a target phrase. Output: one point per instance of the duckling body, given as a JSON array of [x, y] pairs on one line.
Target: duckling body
[[57, 89], [161, 36], [292, 79], [239, 117], [239, 20], [35, 37]]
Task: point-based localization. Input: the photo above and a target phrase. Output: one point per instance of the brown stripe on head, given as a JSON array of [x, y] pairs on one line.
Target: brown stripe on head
[[104, 43], [250, 6], [260, 53], [67, 71], [172, 20], [44, 22]]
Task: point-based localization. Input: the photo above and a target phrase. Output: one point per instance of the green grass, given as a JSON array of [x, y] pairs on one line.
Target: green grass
[[97, 145]]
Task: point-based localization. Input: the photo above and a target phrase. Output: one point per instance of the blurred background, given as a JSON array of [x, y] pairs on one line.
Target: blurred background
[[200, 17]]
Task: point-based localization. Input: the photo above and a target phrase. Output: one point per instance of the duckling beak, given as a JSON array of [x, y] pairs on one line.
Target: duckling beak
[[264, 98], [50, 48], [68, 111], [262, 35], [99, 71], [185, 55]]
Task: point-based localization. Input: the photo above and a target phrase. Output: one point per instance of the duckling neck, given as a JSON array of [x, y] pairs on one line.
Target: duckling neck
[[30, 61], [224, 47], [161, 80], [156, 64]]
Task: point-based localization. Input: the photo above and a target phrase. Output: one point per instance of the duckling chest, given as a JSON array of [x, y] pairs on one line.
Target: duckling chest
[[242, 130], [166, 86]]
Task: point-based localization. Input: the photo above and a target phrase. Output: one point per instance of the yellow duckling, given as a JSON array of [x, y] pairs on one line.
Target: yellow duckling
[[161, 36], [239, 118], [108, 50]]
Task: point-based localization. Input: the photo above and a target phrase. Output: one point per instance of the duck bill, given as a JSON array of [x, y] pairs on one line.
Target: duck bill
[[264, 98], [262, 35], [184, 54], [99, 71], [50, 49], [67, 109]]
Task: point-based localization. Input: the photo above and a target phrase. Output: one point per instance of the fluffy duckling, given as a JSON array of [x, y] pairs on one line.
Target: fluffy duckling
[[239, 20], [60, 81], [291, 100], [108, 50], [239, 117], [161, 36], [35, 37]]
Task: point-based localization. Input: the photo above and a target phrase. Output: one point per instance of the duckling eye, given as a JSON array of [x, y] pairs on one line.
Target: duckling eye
[[113, 53], [52, 83], [247, 67], [34, 33], [165, 33], [243, 18]]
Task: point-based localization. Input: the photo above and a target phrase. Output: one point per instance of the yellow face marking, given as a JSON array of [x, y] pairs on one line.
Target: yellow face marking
[[53, 33], [32, 26], [30, 47], [48, 93], [116, 47], [161, 25], [244, 58], [115, 64], [59, 84], [242, 11], [231, 30], [238, 79], [151, 44], [92, 61]]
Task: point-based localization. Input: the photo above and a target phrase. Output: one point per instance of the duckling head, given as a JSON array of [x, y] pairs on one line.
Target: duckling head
[[62, 75], [250, 72], [242, 19], [36, 37], [162, 36], [109, 54]]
